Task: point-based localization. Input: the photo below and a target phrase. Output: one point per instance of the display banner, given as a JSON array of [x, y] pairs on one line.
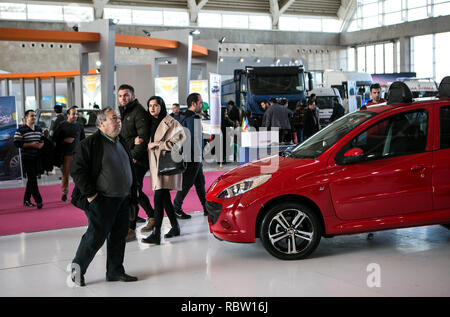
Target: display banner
[[351, 91], [200, 87], [10, 167], [92, 91], [167, 89], [214, 103]]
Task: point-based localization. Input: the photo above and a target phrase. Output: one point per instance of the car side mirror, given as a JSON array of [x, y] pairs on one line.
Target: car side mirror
[[353, 155]]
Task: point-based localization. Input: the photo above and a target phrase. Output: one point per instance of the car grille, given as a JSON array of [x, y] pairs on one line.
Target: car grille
[[214, 210]]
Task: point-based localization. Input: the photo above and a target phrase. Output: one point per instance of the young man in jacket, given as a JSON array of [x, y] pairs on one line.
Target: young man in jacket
[[136, 123], [193, 156], [68, 133], [105, 185]]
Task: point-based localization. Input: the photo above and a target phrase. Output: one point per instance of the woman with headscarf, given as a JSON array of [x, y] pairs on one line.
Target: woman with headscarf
[[166, 134]]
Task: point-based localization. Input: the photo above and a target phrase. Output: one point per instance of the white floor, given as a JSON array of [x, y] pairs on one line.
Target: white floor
[[407, 262]]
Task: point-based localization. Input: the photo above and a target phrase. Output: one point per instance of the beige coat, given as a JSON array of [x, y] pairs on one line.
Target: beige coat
[[169, 134]]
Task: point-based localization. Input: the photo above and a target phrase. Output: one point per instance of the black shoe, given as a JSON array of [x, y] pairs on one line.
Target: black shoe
[[140, 220], [28, 204], [64, 197], [39, 205], [182, 215], [78, 281], [174, 232], [122, 277], [205, 213], [152, 239]]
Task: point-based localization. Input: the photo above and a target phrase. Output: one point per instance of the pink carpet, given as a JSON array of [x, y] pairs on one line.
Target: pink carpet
[[15, 218]]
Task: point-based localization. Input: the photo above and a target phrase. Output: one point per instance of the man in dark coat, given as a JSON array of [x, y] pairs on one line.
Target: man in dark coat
[[338, 110], [136, 123], [277, 116], [105, 186], [193, 175], [67, 135], [310, 120]]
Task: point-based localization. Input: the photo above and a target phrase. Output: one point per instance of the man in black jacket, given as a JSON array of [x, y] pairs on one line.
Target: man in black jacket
[[338, 110], [136, 123], [193, 175], [68, 134], [105, 186]]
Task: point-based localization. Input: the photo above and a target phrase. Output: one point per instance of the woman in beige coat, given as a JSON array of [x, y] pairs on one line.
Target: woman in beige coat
[[165, 134]]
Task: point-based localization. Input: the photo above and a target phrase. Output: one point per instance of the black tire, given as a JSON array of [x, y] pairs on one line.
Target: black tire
[[447, 226], [290, 222], [13, 162]]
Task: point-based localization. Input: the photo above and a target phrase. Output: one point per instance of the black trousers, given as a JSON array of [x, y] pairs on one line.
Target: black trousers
[[142, 198], [193, 175], [164, 202], [108, 219], [30, 168]]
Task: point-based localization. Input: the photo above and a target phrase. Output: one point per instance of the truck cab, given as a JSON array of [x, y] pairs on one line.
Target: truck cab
[[252, 85]]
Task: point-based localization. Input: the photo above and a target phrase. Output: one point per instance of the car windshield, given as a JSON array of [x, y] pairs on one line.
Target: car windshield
[[325, 138]]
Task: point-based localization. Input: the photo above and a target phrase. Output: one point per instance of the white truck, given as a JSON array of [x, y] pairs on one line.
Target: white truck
[[420, 87], [324, 101], [354, 87]]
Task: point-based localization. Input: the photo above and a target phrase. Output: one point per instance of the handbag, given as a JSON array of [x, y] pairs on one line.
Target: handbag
[[167, 166]]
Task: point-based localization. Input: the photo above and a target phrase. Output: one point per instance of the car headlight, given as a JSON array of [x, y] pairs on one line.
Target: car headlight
[[244, 186]]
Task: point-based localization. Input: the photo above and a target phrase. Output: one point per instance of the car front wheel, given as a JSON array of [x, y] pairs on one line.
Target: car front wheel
[[290, 231]]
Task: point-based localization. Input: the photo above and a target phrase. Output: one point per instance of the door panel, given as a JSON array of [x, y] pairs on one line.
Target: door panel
[[392, 174], [386, 187]]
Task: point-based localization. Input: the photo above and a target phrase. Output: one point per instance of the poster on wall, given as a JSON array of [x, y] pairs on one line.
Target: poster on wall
[[92, 92], [352, 102], [214, 103], [201, 87], [167, 89], [10, 167]]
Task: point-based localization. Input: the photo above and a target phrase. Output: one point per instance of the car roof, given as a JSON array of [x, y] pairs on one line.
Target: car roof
[[425, 101]]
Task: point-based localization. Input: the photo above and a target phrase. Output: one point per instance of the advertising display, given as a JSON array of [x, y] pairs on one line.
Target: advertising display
[[214, 102], [10, 167], [167, 89], [200, 87], [92, 93]]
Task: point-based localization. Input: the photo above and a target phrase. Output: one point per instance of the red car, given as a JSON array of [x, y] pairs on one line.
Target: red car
[[382, 168]]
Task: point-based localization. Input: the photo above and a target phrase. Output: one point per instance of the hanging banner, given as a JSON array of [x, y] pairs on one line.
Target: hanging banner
[[167, 89], [214, 103], [10, 167]]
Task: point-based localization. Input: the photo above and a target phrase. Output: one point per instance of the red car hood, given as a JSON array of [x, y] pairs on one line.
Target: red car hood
[[263, 166]]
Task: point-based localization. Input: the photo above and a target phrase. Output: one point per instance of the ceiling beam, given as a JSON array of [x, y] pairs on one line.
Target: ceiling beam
[[99, 5], [194, 7], [346, 12], [277, 8]]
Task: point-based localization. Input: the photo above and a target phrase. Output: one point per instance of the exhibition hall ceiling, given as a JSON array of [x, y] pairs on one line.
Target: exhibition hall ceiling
[[297, 7]]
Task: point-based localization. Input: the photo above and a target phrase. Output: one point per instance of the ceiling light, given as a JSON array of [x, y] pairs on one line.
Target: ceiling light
[[195, 32], [258, 60]]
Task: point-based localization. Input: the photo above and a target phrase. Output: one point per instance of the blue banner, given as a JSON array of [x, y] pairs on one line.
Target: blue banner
[[10, 167]]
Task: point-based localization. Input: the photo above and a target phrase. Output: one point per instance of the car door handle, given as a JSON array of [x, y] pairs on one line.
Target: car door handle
[[417, 168]]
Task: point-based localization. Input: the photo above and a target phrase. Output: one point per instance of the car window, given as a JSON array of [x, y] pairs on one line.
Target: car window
[[445, 127], [314, 146], [45, 119], [400, 134]]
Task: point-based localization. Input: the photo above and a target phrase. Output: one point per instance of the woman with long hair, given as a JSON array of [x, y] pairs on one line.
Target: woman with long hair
[[166, 134]]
